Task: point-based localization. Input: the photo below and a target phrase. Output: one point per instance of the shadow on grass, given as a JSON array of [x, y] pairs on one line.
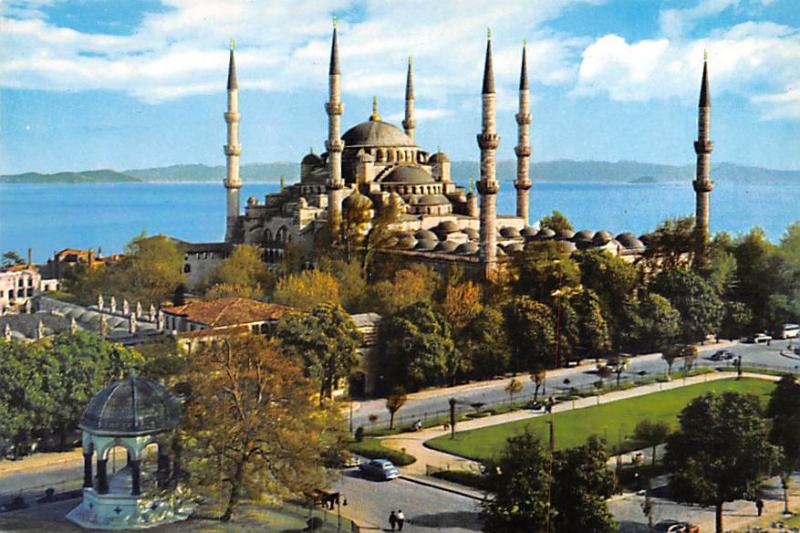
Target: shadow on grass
[[461, 519]]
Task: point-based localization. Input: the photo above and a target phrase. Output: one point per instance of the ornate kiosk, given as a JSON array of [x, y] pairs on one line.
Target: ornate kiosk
[[131, 414]]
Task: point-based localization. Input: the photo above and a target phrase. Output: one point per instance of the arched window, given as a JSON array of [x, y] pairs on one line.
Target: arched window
[[281, 235], [187, 268]]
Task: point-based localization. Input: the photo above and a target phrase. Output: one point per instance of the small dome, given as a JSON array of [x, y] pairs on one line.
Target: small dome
[[564, 235], [509, 232], [357, 201], [467, 248], [252, 200], [427, 244], [566, 247], [584, 235], [602, 238], [514, 247], [133, 406], [438, 157], [426, 234], [529, 231], [408, 174], [545, 234], [311, 159], [646, 238], [446, 226], [472, 234], [407, 243], [626, 239], [446, 247]]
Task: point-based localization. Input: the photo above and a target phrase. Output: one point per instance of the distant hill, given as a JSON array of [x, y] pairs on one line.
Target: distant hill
[[87, 176], [563, 171]]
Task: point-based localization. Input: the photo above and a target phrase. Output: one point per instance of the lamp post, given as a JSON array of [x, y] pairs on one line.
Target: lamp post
[[351, 416], [452, 402]]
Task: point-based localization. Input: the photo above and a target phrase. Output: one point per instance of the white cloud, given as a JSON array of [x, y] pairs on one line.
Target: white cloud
[[283, 45], [760, 61], [675, 22]]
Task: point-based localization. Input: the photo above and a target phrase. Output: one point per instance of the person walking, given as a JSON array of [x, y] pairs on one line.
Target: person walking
[[393, 520], [759, 506], [401, 518]]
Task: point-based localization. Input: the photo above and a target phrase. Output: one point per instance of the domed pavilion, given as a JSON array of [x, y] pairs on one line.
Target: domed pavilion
[[133, 413]]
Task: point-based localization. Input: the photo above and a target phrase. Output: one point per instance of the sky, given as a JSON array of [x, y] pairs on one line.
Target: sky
[[123, 84]]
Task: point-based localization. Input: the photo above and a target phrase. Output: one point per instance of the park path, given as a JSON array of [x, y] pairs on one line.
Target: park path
[[414, 443]]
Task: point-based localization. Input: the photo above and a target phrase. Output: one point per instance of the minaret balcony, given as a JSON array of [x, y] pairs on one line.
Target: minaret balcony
[[409, 124], [336, 185], [232, 117], [488, 187], [523, 119], [334, 108], [233, 149], [523, 185], [703, 186], [336, 145], [488, 141], [232, 184], [523, 151], [703, 146]]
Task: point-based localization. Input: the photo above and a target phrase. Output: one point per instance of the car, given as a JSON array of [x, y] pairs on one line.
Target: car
[[380, 469], [721, 355], [758, 338], [675, 526]]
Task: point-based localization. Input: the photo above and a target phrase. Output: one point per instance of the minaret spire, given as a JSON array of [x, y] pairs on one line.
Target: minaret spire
[[702, 184], [523, 148], [233, 150], [488, 141], [409, 123], [334, 144]]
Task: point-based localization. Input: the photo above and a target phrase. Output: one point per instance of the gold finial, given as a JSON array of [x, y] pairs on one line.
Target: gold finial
[[705, 55], [375, 116], [471, 184], [233, 44], [489, 33], [335, 22]]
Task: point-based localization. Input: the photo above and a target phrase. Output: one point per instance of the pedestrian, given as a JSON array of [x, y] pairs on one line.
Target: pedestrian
[[392, 519], [759, 507], [401, 518]]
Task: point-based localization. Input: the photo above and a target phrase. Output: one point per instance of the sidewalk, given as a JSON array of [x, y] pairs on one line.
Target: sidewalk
[[414, 443]]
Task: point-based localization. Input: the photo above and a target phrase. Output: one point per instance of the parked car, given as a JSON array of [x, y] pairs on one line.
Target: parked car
[[676, 526], [758, 338], [722, 355], [380, 469]]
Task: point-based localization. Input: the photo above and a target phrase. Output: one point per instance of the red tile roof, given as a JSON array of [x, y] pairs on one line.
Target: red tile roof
[[229, 312]]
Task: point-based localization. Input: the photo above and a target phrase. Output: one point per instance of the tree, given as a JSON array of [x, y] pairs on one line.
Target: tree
[[356, 218], [651, 434], [517, 495], [542, 271], [618, 364], [699, 305], [671, 245], [582, 484], [24, 404], [721, 452], [462, 303], [790, 245], [416, 283], [306, 289], [485, 343], [593, 331], [327, 342], [556, 221], [651, 324], [759, 274], [150, 271], [784, 410], [243, 273], [669, 356], [251, 427], [394, 402], [538, 377], [415, 348], [379, 236], [530, 327], [736, 321], [11, 258], [514, 386]]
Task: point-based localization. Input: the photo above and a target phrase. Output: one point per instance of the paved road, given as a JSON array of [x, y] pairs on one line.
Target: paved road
[[426, 509], [432, 402]]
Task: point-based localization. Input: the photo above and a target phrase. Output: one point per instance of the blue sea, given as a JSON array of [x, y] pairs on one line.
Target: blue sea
[[55, 216]]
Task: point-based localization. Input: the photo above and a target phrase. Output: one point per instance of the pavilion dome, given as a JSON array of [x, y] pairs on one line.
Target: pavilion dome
[[133, 406]]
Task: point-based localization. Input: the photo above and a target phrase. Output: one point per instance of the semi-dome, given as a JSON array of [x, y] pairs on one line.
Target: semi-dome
[[426, 234], [407, 174], [376, 133], [132, 406], [357, 201], [438, 157]]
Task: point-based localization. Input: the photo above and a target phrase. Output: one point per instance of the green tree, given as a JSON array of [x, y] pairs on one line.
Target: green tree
[[759, 275], [243, 273], [651, 324], [790, 245], [24, 404], [415, 348], [594, 338], [721, 452], [700, 307], [582, 485], [517, 495], [356, 217], [671, 245], [485, 342], [784, 410], [251, 428], [556, 221], [543, 271], [736, 321], [538, 377], [11, 258], [651, 433], [530, 327], [150, 271], [379, 236], [326, 340], [394, 402]]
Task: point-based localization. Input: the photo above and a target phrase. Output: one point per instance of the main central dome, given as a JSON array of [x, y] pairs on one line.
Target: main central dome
[[375, 133]]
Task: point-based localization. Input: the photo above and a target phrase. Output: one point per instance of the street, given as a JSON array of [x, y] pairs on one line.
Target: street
[[432, 402]]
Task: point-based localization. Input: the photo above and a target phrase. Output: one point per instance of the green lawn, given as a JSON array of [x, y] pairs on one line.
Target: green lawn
[[613, 421]]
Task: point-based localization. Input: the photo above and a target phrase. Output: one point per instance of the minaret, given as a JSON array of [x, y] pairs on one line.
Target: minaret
[[232, 150], [702, 183], [334, 144], [409, 123], [488, 140], [523, 148]]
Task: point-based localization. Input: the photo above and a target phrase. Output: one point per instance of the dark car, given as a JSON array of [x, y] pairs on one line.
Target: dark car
[[675, 526], [381, 469], [722, 355]]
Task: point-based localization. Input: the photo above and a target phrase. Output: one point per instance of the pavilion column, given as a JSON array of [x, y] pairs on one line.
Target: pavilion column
[[163, 463], [102, 478], [87, 470], [136, 488]]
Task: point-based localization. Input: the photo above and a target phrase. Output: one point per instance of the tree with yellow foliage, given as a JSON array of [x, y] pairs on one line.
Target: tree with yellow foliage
[[306, 289]]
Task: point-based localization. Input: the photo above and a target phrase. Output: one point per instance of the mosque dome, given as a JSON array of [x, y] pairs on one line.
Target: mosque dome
[[426, 234], [438, 157], [446, 246], [312, 159], [407, 174], [602, 237], [564, 235], [509, 232], [427, 244], [584, 235], [357, 201], [376, 133], [472, 234], [132, 406]]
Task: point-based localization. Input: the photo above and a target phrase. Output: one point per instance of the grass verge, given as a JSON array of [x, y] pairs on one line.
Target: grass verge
[[613, 421], [374, 449]]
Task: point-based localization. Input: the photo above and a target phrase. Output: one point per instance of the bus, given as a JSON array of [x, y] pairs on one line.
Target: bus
[[790, 331]]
